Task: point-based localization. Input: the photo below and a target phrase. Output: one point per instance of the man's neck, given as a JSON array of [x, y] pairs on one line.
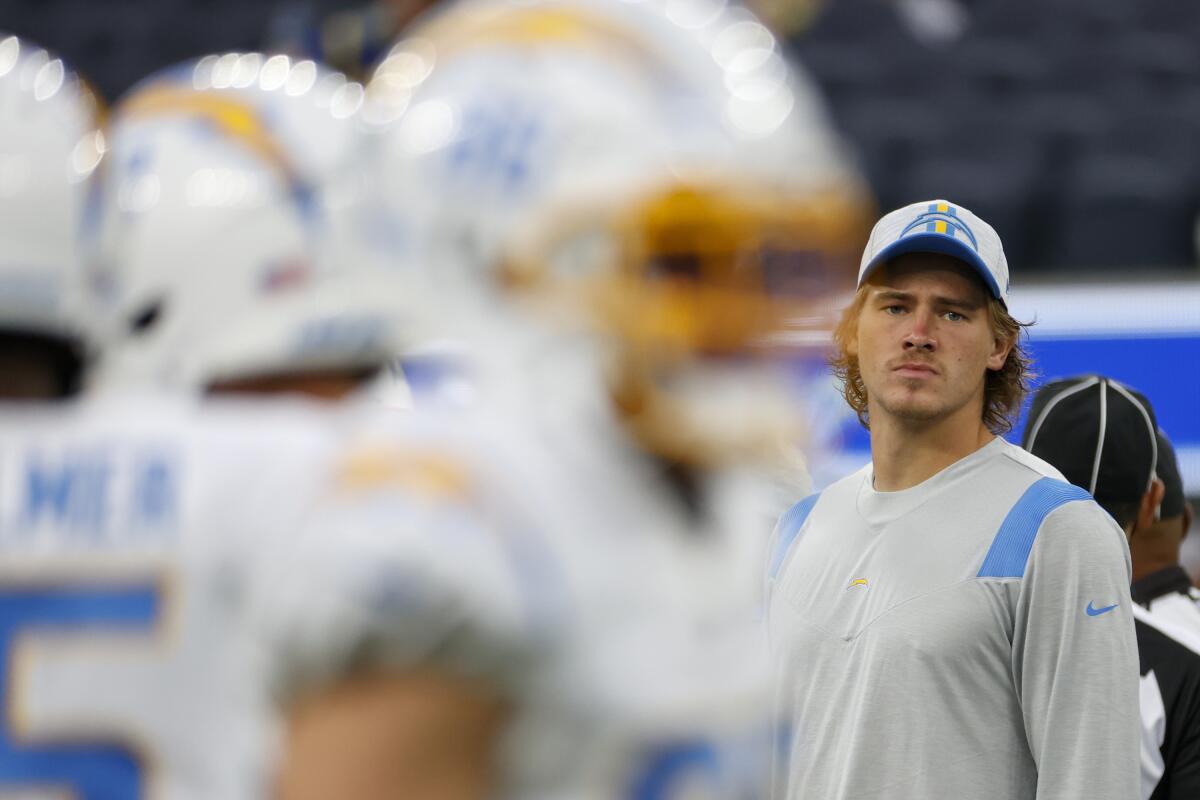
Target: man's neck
[[1155, 546], [1144, 568], [904, 454], [1150, 557]]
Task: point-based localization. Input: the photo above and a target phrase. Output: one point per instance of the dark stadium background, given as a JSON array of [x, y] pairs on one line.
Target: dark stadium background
[[1071, 125]]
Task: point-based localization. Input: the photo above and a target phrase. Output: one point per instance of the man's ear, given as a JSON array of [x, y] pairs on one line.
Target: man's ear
[[1148, 510], [851, 319], [999, 355]]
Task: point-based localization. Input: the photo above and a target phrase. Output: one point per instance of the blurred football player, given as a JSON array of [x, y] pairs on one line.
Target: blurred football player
[[50, 144], [131, 523], [218, 244], [663, 230]]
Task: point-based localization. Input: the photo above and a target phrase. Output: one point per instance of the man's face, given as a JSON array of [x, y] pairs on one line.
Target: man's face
[[924, 339]]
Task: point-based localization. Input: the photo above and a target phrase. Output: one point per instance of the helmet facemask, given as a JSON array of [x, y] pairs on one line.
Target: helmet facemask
[[698, 288]]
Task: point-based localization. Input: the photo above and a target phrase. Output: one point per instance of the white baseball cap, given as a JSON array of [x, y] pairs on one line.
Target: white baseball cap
[[939, 226]]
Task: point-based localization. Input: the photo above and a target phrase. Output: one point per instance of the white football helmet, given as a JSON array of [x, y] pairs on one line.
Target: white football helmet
[[220, 252], [656, 170], [50, 146]]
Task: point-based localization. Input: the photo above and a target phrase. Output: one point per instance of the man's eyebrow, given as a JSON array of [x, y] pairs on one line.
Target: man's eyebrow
[[895, 295], [953, 302]]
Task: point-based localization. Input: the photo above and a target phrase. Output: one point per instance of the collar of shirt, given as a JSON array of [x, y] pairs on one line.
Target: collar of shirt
[[1161, 582]]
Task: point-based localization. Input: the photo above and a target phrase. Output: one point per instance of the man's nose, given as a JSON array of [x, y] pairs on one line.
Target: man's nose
[[920, 335]]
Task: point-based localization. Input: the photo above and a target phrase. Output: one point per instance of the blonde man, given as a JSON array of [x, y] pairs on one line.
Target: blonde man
[[954, 619]]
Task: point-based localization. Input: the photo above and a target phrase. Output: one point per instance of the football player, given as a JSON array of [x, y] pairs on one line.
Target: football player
[[131, 523], [50, 145], [666, 192]]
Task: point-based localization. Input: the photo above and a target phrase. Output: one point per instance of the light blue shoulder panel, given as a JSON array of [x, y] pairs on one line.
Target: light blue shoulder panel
[[789, 527], [1007, 556]]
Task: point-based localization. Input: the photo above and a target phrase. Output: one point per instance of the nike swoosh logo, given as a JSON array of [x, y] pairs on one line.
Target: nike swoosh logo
[[1095, 612]]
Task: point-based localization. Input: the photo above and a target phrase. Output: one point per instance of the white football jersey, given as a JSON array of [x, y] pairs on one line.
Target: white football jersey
[[548, 557], [128, 531]]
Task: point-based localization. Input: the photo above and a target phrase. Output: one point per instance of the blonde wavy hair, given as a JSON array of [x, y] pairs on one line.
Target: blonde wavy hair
[[1004, 389]]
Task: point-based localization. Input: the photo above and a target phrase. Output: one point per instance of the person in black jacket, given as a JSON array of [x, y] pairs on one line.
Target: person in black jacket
[[1103, 437]]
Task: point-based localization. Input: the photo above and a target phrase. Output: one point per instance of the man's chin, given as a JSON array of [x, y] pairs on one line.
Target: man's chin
[[913, 409]]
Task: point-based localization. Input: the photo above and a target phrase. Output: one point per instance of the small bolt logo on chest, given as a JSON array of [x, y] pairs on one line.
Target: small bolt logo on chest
[[857, 583]]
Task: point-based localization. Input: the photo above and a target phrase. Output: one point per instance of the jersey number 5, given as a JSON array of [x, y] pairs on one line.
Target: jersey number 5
[[87, 768]]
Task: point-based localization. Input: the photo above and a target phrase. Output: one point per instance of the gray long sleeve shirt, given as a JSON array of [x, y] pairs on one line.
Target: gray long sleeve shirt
[[968, 638]]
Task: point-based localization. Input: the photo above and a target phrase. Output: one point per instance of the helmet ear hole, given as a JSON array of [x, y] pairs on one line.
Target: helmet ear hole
[[39, 366], [146, 319]]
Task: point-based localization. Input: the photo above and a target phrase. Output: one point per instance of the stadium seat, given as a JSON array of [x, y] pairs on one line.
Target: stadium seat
[[1120, 212], [1000, 189], [1001, 68], [1169, 15], [856, 21], [1014, 19], [1086, 65], [891, 132], [1155, 132], [1063, 121], [841, 77], [1164, 62]]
